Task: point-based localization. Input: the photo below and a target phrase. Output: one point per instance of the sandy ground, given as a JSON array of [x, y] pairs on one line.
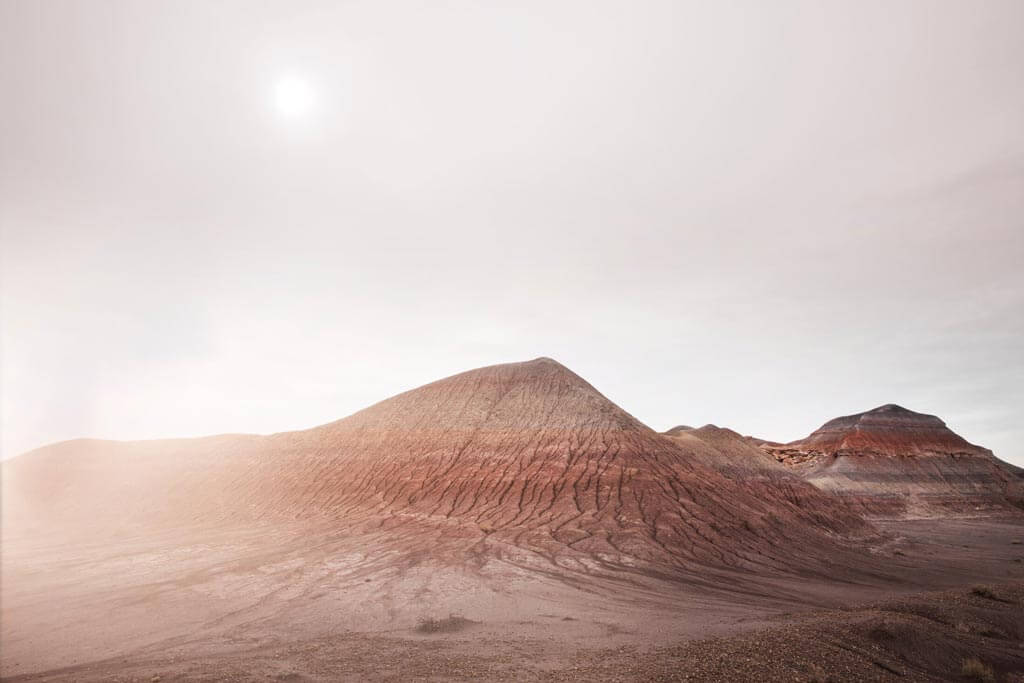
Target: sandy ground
[[284, 603]]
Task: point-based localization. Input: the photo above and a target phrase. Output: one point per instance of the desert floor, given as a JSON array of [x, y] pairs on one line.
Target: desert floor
[[291, 603]]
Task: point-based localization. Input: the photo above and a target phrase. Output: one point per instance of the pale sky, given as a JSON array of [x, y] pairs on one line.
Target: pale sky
[[253, 217]]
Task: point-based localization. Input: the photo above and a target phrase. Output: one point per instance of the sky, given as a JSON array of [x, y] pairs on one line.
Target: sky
[[256, 217]]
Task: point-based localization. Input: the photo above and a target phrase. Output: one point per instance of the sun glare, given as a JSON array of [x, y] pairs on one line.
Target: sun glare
[[294, 97]]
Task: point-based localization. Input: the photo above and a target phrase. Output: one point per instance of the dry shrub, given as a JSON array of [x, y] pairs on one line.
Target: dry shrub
[[991, 632], [984, 630], [450, 624], [977, 670], [881, 633], [984, 592]]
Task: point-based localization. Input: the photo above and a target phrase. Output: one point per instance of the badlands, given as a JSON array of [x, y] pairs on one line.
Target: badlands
[[512, 523]]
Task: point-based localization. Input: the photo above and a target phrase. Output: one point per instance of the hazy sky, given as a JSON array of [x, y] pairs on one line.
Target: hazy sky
[[242, 216]]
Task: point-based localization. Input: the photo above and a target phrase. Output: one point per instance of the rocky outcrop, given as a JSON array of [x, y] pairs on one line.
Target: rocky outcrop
[[891, 461]]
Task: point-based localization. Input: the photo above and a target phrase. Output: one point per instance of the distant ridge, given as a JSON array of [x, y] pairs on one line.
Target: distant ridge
[[678, 429]]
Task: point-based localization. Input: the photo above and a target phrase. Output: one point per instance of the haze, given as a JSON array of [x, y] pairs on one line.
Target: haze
[[253, 217]]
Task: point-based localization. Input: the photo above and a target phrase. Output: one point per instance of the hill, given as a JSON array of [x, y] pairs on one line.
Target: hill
[[891, 461], [527, 455]]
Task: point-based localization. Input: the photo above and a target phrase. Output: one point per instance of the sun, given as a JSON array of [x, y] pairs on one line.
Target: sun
[[294, 97]]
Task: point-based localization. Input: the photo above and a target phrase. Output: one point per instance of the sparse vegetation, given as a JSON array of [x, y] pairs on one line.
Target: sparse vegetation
[[991, 632], [881, 633], [984, 592], [977, 670], [985, 630], [450, 624]]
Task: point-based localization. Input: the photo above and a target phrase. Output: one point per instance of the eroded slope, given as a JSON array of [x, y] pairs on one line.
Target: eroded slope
[[528, 455], [761, 476]]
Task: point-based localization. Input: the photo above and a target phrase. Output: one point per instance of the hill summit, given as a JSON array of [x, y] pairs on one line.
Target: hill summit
[[889, 430]]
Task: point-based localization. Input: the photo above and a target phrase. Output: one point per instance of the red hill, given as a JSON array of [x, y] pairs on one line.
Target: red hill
[[524, 454], [893, 461]]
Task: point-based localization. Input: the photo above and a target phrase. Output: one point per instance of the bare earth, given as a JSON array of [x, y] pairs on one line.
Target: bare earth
[[511, 522], [272, 602]]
